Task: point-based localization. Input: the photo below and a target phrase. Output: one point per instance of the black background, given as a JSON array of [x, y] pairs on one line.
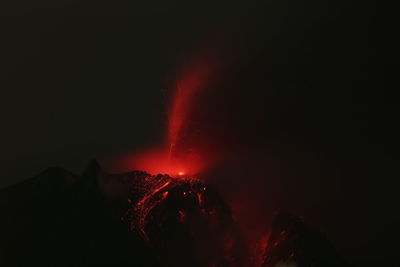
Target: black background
[[84, 79]]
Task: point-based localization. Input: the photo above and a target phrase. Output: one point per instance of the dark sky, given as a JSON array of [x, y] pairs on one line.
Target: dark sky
[[85, 79]]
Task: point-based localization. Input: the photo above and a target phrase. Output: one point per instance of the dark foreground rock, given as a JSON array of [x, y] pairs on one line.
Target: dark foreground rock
[[58, 219]]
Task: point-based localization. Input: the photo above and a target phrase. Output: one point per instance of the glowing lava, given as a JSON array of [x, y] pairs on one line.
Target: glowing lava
[[184, 221]]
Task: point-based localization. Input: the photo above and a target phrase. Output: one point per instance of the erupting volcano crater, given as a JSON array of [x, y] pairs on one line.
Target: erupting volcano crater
[[183, 220]]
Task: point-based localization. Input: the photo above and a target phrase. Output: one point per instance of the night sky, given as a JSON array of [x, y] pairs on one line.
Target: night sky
[[92, 79]]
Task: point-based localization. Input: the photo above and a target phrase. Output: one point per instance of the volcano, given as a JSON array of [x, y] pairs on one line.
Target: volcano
[[61, 219]]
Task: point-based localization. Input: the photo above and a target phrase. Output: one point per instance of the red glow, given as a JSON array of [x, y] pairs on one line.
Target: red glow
[[157, 161], [182, 154]]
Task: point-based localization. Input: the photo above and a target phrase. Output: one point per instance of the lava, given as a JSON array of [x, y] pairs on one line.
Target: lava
[[184, 221]]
